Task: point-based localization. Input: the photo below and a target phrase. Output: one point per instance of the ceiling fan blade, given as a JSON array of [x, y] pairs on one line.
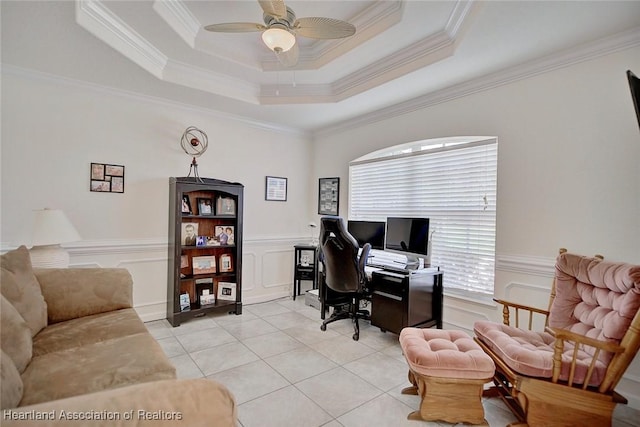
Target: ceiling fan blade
[[323, 28], [290, 57], [235, 27], [274, 8]]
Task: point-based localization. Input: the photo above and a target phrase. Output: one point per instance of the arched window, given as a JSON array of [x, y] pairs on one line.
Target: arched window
[[452, 181]]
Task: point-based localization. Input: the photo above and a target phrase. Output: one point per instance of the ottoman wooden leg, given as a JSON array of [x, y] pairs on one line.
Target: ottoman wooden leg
[[451, 400], [412, 389]]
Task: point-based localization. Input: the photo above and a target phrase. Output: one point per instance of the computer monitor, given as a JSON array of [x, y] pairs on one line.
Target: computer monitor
[[409, 236], [371, 232]]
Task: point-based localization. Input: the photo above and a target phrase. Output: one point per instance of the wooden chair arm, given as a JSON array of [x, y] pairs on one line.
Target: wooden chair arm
[[561, 336], [506, 314]]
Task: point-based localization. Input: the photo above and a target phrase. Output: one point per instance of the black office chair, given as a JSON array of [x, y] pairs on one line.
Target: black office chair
[[343, 272]]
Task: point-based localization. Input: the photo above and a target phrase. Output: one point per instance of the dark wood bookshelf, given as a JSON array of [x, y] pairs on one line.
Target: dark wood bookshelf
[[211, 227]]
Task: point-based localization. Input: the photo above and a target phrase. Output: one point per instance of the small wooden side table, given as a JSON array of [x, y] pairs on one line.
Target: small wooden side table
[[305, 267]]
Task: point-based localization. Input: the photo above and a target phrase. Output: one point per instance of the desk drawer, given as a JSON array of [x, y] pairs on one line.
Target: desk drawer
[[387, 284]]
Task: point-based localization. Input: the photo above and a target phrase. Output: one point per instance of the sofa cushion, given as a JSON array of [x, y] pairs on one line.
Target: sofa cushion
[[94, 367], [20, 286], [87, 330], [15, 335], [11, 384], [76, 292]]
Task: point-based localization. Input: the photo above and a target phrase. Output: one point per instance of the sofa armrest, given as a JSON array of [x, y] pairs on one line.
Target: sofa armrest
[[77, 292], [189, 403]]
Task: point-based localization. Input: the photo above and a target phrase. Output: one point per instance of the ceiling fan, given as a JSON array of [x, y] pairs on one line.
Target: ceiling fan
[[281, 28]]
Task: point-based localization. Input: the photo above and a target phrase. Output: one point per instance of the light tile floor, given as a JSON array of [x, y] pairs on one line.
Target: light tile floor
[[284, 371]]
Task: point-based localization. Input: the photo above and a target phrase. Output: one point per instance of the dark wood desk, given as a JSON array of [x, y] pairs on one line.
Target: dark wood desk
[[406, 299]]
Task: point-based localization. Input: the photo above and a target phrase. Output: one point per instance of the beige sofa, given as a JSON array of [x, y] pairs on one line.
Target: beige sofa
[[74, 348]]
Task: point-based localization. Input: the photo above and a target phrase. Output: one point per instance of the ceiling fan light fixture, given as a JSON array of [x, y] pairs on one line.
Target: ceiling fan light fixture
[[278, 39]]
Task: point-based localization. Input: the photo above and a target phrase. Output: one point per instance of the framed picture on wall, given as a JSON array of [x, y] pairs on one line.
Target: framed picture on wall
[[276, 189], [328, 196]]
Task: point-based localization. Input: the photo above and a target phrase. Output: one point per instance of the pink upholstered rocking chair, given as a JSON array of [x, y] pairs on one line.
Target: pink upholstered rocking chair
[[566, 374]]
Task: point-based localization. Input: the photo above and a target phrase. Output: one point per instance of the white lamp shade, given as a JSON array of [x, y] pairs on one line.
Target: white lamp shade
[[278, 39], [52, 227]]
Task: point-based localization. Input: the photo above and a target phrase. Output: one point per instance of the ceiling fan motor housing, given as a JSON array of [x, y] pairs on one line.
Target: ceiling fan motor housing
[[286, 21]]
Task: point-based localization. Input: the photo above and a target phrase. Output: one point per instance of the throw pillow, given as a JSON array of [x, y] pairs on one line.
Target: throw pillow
[[19, 285], [11, 386], [15, 335]]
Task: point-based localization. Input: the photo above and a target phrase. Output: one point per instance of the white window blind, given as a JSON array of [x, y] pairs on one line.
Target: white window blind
[[454, 186]]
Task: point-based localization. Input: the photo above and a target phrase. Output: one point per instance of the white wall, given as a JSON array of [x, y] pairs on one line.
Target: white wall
[[52, 130], [568, 175]]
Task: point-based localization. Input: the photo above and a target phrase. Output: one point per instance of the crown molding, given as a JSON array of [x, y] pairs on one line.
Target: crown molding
[[99, 21], [203, 79], [95, 17], [30, 74], [179, 18], [588, 51]]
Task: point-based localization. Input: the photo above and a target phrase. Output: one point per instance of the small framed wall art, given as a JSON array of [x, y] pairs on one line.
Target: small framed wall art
[[276, 189], [106, 178], [328, 196]]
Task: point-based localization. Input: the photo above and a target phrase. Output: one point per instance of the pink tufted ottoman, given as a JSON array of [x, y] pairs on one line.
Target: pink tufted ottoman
[[448, 370]]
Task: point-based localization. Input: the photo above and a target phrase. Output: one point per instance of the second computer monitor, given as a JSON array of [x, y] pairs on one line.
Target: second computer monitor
[[371, 232]]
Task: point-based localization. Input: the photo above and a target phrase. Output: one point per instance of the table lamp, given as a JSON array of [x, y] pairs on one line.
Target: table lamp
[[51, 227], [314, 237]]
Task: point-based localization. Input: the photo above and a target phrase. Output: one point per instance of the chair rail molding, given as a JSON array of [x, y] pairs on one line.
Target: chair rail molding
[[524, 264]]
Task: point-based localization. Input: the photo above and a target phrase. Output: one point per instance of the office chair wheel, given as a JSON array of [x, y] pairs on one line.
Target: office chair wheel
[[356, 337], [323, 327]]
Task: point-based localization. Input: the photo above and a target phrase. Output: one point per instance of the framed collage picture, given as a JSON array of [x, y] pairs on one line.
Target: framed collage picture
[[106, 178], [329, 196]]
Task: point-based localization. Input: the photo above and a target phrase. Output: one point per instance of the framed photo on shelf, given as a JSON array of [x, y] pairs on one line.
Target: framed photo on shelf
[[276, 189], [204, 264], [226, 291], [328, 196], [189, 233], [186, 205], [226, 265], [185, 304], [204, 290], [201, 240], [225, 235], [225, 206], [205, 206]]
